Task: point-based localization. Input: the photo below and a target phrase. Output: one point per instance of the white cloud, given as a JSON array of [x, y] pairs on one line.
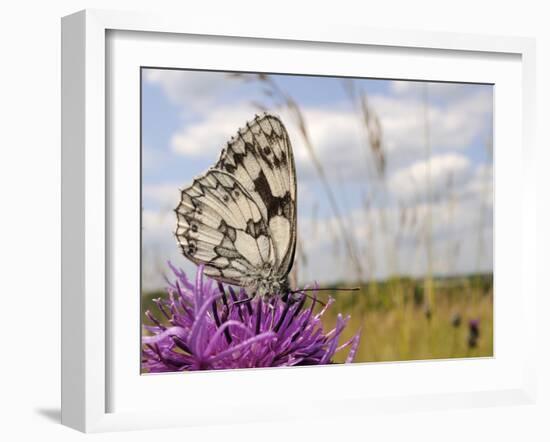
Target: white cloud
[[165, 195], [197, 90], [158, 224], [338, 138], [207, 137], [337, 142], [335, 135], [440, 91], [330, 132], [158, 247], [481, 184], [412, 181], [452, 126], [394, 240], [155, 158]]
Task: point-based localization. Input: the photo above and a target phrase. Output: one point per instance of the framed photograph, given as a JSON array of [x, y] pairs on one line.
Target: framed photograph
[[292, 222]]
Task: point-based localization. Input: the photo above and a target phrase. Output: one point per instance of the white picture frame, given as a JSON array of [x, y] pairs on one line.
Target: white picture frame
[[87, 319]]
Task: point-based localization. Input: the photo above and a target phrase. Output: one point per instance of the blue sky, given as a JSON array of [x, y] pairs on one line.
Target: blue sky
[[187, 116]]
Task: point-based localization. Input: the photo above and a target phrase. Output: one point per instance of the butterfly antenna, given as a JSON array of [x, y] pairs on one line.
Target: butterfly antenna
[[333, 289], [313, 298]]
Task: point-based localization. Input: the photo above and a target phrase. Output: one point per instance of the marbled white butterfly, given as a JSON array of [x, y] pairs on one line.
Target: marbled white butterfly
[[239, 218]]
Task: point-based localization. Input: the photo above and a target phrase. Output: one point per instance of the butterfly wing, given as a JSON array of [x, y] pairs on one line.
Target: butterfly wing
[[221, 227], [260, 158]]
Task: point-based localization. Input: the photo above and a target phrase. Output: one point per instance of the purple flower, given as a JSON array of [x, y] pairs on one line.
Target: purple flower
[[474, 332], [207, 326]]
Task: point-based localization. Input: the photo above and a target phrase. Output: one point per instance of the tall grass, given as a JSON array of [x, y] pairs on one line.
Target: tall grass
[[395, 326], [428, 279]]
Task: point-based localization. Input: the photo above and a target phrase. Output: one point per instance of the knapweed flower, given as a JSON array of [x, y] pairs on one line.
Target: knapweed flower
[[207, 326]]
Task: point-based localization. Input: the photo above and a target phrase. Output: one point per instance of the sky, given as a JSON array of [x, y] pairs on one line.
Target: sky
[[431, 210]]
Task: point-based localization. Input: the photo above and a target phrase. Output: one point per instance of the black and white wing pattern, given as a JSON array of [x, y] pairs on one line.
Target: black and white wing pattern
[[239, 218]]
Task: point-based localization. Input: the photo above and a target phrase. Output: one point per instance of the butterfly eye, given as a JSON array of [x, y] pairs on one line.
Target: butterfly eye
[[225, 198], [194, 227], [236, 194], [267, 150]]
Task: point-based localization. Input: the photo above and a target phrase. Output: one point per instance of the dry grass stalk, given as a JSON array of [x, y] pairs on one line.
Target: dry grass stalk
[[273, 91]]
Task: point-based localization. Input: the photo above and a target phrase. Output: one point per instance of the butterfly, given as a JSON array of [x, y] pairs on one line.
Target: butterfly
[[238, 219]]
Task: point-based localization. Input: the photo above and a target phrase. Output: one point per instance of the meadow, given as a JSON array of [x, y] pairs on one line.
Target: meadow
[[397, 323]]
